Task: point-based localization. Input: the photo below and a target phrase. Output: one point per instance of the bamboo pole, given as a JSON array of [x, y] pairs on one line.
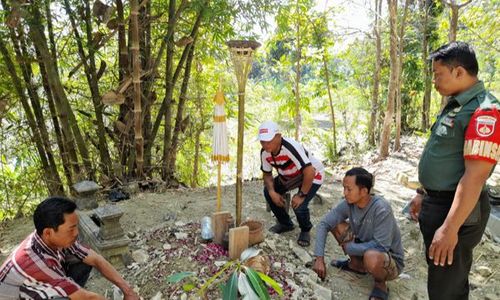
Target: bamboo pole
[[219, 179], [136, 80]]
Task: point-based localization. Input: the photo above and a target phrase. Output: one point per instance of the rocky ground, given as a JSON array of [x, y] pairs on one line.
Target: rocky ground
[[165, 239]]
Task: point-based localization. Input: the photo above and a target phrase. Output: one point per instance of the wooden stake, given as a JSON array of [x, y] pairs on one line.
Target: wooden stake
[[238, 241], [220, 225]]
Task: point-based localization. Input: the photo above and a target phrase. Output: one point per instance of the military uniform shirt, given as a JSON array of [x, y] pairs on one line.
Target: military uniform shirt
[[468, 122]]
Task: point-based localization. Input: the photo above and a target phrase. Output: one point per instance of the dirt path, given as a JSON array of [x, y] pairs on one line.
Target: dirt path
[[152, 219]]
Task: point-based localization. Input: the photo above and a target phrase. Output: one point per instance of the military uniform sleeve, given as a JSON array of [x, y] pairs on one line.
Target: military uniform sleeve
[[482, 137]]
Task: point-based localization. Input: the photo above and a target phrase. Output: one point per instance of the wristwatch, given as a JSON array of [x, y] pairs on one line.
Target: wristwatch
[[301, 194], [420, 191]]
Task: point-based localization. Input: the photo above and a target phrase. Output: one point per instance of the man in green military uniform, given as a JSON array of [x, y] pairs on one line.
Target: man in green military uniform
[[452, 206]]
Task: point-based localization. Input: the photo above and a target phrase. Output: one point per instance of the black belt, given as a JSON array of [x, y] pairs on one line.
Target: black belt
[[440, 194]]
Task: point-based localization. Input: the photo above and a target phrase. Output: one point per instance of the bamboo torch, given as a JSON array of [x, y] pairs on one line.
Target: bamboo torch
[[241, 55]]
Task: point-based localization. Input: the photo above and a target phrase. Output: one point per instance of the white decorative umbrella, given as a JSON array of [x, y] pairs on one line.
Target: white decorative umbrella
[[220, 149]]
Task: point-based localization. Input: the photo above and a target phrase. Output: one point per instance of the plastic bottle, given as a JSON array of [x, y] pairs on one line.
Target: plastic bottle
[[206, 228]]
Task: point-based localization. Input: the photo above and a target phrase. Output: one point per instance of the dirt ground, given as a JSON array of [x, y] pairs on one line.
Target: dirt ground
[[152, 219]]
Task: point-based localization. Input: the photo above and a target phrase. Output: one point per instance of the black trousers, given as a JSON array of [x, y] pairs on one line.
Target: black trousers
[[302, 212], [77, 269], [451, 282]]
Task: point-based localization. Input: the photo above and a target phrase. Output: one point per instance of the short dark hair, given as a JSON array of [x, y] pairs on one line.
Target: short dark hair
[[364, 179], [50, 213], [457, 54]]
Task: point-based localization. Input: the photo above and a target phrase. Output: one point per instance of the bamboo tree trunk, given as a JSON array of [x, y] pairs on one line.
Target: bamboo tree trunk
[[330, 101], [38, 37], [51, 177], [50, 29], [21, 51], [136, 79], [122, 43], [393, 80], [169, 90], [297, 76], [91, 75], [426, 102], [397, 142], [376, 74], [65, 158], [163, 107], [179, 121], [147, 80]]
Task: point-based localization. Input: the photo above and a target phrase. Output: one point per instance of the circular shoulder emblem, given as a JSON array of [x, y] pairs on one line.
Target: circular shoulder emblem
[[485, 125]]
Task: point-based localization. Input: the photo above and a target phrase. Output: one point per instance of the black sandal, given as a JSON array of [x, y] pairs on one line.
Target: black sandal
[[344, 265], [304, 239], [280, 228]]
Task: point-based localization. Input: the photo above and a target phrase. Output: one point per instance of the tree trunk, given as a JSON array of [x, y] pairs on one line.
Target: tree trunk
[[51, 177], [92, 80], [38, 37], [376, 73], [393, 80], [50, 29], [330, 100], [180, 122], [426, 102], [169, 90], [452, 34], [397, 141], [298, 118], [136, 79]]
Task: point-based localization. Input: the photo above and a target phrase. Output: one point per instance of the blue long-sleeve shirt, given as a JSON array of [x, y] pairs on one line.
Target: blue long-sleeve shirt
[[373, 225]]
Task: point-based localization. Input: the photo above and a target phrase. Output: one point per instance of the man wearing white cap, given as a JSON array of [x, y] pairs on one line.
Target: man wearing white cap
[[296, 168]]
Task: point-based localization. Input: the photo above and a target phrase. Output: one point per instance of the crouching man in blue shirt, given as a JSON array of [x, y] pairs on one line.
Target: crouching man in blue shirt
[[364, 226]]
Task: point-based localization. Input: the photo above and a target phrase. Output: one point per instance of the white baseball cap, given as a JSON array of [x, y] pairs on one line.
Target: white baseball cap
[[267, 131]]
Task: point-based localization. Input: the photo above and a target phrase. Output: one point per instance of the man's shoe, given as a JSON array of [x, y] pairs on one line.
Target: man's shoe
[[280, 228]]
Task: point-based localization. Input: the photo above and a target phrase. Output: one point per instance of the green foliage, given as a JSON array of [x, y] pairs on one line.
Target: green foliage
[[235, 273], [231, 287]]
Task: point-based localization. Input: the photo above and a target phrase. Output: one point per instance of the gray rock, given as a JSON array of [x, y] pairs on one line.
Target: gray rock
[[167, 246], [181, 235], [117, 293], [140, 256], [491, 297], [302, 255], [483, 271], [131, 188], [271, 244], [220, 263], [297, 290], [320, 292], [86, 187], [276, 265], [158, 296]]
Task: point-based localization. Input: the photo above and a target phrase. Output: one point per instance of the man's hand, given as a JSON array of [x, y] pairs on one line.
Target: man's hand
[[319, 267], [442, 246], [277, 199], [131, 295], [297, 201], [416, 206]]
